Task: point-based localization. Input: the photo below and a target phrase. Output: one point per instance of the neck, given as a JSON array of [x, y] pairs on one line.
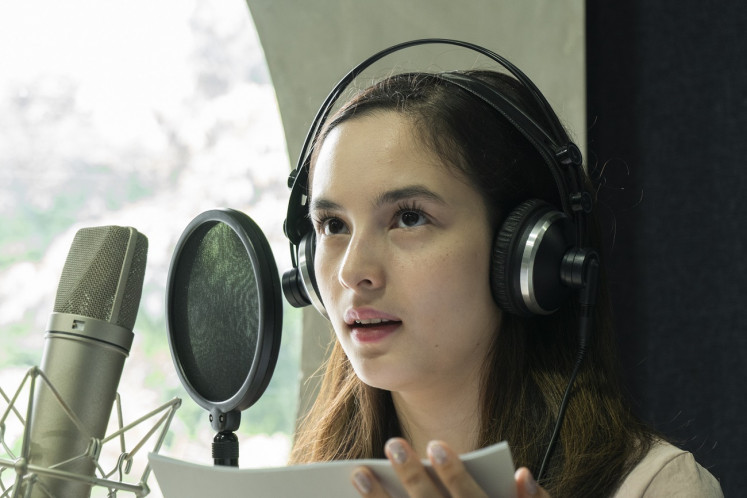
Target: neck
[[447, 411]]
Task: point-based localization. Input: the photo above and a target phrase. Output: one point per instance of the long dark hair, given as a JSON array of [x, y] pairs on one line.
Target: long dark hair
[[530, 359]]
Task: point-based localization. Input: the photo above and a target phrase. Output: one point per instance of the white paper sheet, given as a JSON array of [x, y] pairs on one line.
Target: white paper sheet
[[491, 467]]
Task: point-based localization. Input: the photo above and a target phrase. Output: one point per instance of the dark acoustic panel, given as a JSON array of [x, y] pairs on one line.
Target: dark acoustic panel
[[667, 113]]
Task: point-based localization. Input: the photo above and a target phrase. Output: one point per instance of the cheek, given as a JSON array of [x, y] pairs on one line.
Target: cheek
[[455, 280], [324, 272], [467, 265]]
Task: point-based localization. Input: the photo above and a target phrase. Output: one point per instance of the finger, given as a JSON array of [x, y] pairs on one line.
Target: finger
[[410, 470], [451, 471], [526, 486], [366, 483]]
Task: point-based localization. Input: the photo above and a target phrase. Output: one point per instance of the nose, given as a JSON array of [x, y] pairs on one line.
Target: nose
[[362, 268]]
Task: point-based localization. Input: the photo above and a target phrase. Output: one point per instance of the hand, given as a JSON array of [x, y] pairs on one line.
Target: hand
[[526, 485], [451, 474]]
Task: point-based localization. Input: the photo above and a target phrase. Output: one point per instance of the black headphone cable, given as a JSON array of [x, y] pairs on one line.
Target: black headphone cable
[[589, 266]]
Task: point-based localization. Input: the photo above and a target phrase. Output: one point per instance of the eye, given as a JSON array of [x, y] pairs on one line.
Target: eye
[[409, 217], [329, 225], [333, 226]]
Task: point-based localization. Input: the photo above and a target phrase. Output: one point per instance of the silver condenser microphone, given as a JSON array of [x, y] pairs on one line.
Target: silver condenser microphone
[[88, 338]]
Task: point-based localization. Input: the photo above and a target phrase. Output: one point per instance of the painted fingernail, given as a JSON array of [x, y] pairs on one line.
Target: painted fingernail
[[397, 451], [437, 453], [362, 482]]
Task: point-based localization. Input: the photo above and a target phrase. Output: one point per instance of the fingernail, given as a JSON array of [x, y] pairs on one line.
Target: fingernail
[[397, 451], [530, 486], [437, 453], [362, 482]]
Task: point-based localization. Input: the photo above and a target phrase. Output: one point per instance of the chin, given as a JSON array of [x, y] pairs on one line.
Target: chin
[[380, 377], [370, 378]]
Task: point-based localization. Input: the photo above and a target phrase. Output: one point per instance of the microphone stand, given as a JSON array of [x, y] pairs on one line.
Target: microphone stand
[[225, 443], [27, 475]]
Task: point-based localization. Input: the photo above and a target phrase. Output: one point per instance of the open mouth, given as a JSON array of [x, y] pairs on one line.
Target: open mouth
[[373, 323], [371, 331]]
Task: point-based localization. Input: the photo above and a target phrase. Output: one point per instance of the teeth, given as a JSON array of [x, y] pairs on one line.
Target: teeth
[[371, 321]]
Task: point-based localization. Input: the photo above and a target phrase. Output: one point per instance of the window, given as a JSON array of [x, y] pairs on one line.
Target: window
[[140, 114]]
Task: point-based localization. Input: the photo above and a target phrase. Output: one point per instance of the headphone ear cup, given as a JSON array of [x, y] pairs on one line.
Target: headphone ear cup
[[299, 283], [306, 252], [527, 255]]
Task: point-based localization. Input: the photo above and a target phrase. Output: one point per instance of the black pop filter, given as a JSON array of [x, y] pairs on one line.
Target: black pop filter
[[224, 316]]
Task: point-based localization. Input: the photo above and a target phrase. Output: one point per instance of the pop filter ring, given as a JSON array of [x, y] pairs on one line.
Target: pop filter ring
[[269, 314]]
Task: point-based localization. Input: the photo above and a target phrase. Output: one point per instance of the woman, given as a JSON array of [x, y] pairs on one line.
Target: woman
[[409, 184]]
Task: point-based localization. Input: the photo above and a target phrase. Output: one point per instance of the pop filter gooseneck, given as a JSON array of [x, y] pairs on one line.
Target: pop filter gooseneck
[[224, 317]]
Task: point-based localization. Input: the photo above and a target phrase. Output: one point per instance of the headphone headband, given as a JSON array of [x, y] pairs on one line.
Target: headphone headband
[[522, 282]]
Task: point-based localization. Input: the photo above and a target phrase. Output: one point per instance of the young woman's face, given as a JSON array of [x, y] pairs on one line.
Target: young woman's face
[[402, 257]]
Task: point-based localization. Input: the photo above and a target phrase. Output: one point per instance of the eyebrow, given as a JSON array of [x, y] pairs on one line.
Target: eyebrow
[[388, 197], [408, 192]]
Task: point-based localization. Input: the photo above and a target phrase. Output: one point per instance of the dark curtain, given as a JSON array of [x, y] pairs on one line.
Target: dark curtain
[[667, 117]]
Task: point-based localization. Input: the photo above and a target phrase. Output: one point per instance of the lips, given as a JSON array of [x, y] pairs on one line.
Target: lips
[[369, 325], [374, 332], [372, 322], [368, 316]]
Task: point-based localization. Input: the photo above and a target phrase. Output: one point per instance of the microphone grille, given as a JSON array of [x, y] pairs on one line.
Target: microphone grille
[[103, 275]]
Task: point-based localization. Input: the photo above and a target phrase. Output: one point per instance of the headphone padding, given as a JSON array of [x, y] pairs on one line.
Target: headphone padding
[[502, 265], [528, 254], [307, 275]]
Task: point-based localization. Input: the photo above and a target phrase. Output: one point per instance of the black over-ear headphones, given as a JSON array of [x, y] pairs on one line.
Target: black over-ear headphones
[[537, 257]]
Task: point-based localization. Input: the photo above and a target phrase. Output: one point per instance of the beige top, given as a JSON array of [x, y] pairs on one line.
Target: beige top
[[669, 471]]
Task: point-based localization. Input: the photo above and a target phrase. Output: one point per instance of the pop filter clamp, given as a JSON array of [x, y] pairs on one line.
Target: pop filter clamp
[[224, 318]]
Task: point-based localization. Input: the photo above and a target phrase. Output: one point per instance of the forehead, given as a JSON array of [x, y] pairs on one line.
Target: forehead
[[378, 151]]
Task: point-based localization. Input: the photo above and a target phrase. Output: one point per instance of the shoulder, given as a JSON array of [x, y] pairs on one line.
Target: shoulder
[[669, 471]]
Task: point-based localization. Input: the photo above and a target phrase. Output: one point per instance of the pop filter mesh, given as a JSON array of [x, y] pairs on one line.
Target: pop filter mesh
[[214, 312]]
